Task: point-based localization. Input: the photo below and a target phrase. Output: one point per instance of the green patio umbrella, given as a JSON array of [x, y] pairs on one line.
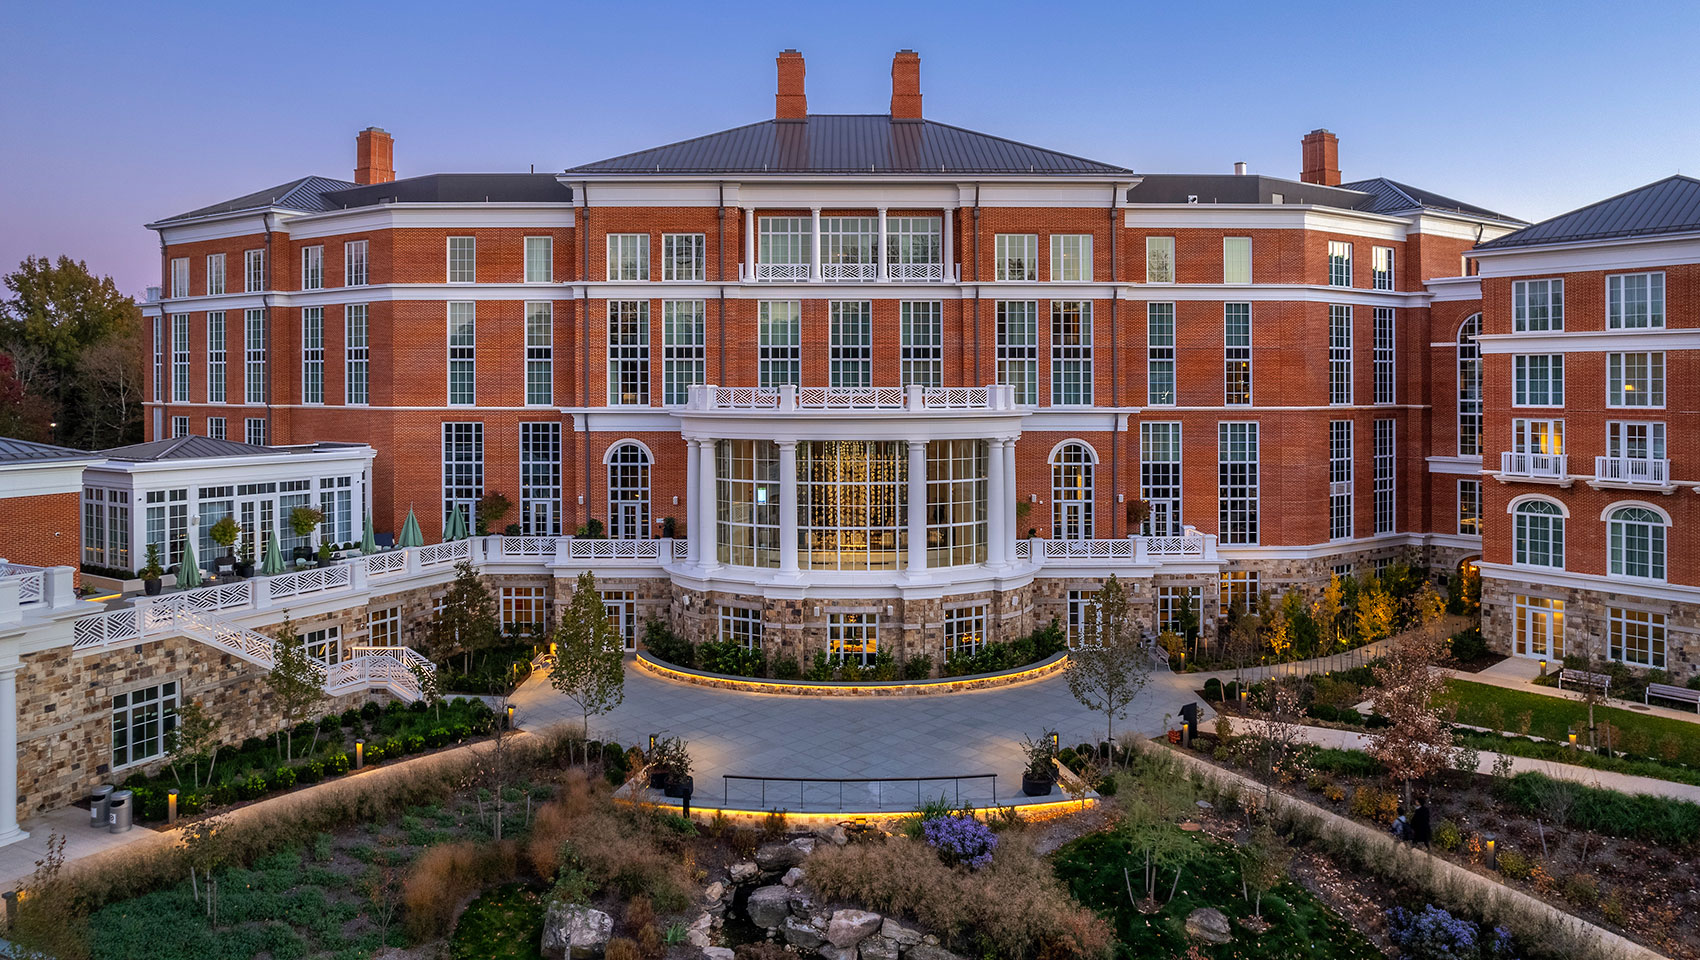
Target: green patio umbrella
[[188, 572], [272, 566], [368, 540], [410, 535], [456, 528]]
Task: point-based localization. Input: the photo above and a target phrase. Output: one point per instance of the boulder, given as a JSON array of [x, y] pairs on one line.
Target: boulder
[[929, 951], [831, 952], [779, 857], [768, 906], [792, 877], [850, 927], [715, 891], [902, 933], [1210, 925], [742, 871], [717, 953], [799, 933], [834, 835], [575, 932], [803, 903], [878, 948]]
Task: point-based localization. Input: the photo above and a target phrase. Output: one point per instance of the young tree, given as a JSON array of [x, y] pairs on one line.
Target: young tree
[[1417, 742], [1273, 734], [1374, 613], [1327, 609], [296, 682], [590, 665], [1112, 662], [467, 622], [429, 690], [1263, 862], [193, 741]]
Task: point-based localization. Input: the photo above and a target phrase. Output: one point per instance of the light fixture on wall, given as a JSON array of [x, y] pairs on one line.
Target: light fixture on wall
[[675, 501], [581, 499], [817, 611], [1121, 498], [1033, 497]]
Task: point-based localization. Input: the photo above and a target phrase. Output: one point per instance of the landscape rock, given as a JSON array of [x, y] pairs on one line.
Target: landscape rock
[[779, 857], [929, 951], [803, 905], [834, 835], [850, 927], [768, 906], [575, 932], [1205, 805], [792, 877], [1210, 925], [900, 932], [799, 933], [742, 871], [831, 952], [715, 891], [717, 953], [878, 948]]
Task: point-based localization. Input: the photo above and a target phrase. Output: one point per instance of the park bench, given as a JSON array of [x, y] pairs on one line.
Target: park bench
[[1583, 677], [1665, 691]]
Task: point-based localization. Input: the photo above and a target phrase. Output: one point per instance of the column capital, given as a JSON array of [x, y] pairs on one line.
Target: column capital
[[786, 443]]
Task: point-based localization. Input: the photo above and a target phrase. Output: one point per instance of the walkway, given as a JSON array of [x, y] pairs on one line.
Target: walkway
[[17, 860]]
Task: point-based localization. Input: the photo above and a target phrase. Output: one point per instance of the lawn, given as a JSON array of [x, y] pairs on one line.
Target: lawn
[[1554, 717]]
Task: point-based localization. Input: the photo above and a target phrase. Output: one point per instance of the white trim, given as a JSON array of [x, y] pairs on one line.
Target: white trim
[[1460, 466], [1553, 579], [1520, 499], [1616, 505], [1634, 340], [1264, 216], [608, 454], [1587, 256]]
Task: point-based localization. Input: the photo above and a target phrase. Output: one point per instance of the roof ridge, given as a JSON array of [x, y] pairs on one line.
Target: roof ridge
[[675, 143], [1023, 143]]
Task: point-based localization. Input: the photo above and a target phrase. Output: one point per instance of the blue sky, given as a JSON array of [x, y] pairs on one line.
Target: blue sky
[[115, 114]]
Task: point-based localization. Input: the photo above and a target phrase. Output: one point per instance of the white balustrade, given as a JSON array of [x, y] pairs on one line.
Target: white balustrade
[[788, 272], [1545, 465], [387, 564], [583, 549], [915, 271], [437, 554], [32, 581], [1632, 470], [527, 546], [849, 272], [101, 629], [311, 580], [956, 398]]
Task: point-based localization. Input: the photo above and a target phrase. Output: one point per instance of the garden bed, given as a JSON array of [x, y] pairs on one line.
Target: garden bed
[[1555, 718], [851, 688]]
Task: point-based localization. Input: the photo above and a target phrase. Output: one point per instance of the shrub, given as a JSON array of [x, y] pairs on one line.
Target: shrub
[[1468, 646], [622, 948], [785, 668], [1435, 934], [918, 667], [442, 876], [310, 772], [1582, 889], [252, 788], [821, 669], [415, 743], [337, 764], [1374, 804], [370, 710], [1446, 835], [631, 850], [961, 839], [1515, 865], [282, 778], [663, 644]]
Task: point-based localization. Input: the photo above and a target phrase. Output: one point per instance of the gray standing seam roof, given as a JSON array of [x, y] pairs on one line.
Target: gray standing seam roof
[[849, 144], [1671, 205], [1391, 196], [13, 450], [191, 447], [306, 194]]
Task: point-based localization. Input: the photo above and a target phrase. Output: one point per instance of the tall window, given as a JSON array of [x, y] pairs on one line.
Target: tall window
[[1382, 267], [783, 245], [1236, 352], [1018, 348], [1537, 305], [1159, 259], [355, 354], [1071, 352], [1469, 388], [1538, 534], [683, 349], [254, 431], [254, 386], [684, 256], [1537, 380], [1071, 492], [746, 475], [1470, 508], [1637, 637], [354, 263], [1236, 259], [741, 626], [313, 268], [336, 502], [914, 248], [956, 502], [312, 354], [540, 479], [1339, 479], [851, 503], [1634, 440], [852, 638], [106, 527], [180, 276], [1160, 478], [1635, 300], [1635, 379], [1339, 354], [628, 492], [180, 357], [254, 270], [1543, 437], [167, 522], [1017, 256], [1339, 263], [628, 256], [1236, 482], [964, 630], [463, 353], [215, 357], [524, 611], [849, 248], [539, 353], [780, 342], [383, 627], [922, 323], [1071, 257], [1386, 373], [463, 469], [1169, 605], [628, 352], [1637, 543], [539, 259], [158, 329], [1385, 477], [142, 723], [852, 346], [1160, 353], [215, 274], [463, 260]]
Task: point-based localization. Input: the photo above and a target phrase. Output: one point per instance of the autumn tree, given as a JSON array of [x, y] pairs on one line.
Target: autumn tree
[[1263, 862], [23, 414], [1112, 662], [1375, 613], [1273, 733], [1417, 741], [1327, 610], [467, 621], [590, 665]]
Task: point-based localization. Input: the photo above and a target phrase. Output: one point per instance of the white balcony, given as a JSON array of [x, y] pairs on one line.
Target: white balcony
[[782, 272], [1534, 466], [791, 399], [849, 272], [912, 272], [1632, 472]]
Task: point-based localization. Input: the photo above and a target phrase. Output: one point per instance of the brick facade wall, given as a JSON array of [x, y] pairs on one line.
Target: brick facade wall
[[43, 531]]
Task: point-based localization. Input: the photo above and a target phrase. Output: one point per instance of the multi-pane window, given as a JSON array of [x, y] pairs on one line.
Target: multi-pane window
[[1470, 508], [336, 502], [852, 637], [167, 522], [684, 256], [254, 270], [1169, 606], [1636, 539], [463, 260], [964, 630], [1386, 369], [312, 354], [1339, 263], [914, 248], [1071, 257], [1018, 348], [1339, 479], [1381, 267], [216, 428], [1385, 476], [1538, 534], [1339, 354], [1071, 352], [956, 502], [849, 248], [1017, 256], [463, 469], [746, 474], [1537, 305], [463, 353], [215, 274], [1469, 388], [383, 627], [354, 272], [628, 256], [539, 259], [628, 492], [158, 330], [106, 527], [1236, 353], [1071, 492], [921, 325], [1635, 440], [539, 353], [628, 352], [1537, 380], [142, 723], [313, 268], [254, 431], [1637, 637], [1160, 478], [180, 276], [1236, 482], [1239, 589], [325, 645], [1236, 259], [1159, 259], [851, 504], [180, 357], [1075, 615], [1160, 353], [254, 386], [783, 247], [179, 427], [1635, 379], [621, 609], [779, 342], [1544, 438], [524, 610], [684, 361], [851, 362], [356, 356], [540, 479], [741, 626], [1635, 301]]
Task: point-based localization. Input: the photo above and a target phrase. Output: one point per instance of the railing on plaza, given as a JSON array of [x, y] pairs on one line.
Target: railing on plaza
[[829, 793], [1190, 545], [789, 398], [31, 581], [848, 272]]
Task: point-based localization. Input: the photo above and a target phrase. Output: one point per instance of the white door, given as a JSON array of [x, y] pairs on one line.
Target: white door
[[1071, 520], [627, 521], [1539, 628], [540, 522]]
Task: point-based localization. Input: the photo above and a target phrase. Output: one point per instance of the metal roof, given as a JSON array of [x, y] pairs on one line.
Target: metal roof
[[306, 194], [456, 188], [13, 450], [849, 144], [1671, 205], [187, 448], [1391, 196], [1240, 188]]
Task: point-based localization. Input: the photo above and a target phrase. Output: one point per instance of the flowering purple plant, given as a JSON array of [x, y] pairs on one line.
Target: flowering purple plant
[[960, 838], [1435, 934]]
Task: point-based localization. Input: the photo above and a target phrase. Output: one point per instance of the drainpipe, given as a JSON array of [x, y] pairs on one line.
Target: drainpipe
[[266, 315], [1118, 515], [976, 338], [584, 343], [159, 328], [720, 272]]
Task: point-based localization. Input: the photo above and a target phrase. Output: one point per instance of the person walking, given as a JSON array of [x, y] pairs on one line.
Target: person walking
[[1421, 830]]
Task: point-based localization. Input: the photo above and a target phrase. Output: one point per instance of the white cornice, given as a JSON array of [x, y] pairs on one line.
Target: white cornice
[[1590, 341], [43, 478], [1453, 289], [1265, 216], [1619, 253], [1459, 466], [1537, 580]]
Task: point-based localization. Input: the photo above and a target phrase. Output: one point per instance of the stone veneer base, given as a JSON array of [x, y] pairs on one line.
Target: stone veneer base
[[832, 688]]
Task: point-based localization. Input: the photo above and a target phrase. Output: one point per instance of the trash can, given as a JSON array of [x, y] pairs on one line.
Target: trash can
[[98, 798], [118, 811]]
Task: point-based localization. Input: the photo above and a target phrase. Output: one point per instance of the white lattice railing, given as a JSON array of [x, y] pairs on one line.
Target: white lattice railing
[[32, 581], [527, 546], [915, 271], [312, 580], [1174, 546], [786, 399], [851, 398], [849, 272], [100, 629], [437, 554], [1122, 549], [782, 271], [1126, 550], [578, 549], [380, 565], [220, 596], [956, 398]]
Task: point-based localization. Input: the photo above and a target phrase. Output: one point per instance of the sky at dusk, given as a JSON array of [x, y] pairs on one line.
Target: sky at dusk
[[112, 115]]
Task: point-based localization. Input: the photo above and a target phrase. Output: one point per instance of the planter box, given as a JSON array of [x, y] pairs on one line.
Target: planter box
[[103, 585]]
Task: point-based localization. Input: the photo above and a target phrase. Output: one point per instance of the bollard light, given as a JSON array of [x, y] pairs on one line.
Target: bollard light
[[510, 716], [1573, 736], [11, 897], [1543, 666], [1242, 697], [652, 738], [1492, 853], [1054, 741], [171, 805], [359, 754]]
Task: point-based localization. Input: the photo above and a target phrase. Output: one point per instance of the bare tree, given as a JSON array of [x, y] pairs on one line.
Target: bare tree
[[1417, 742], [1112, 662], [1273, 734]]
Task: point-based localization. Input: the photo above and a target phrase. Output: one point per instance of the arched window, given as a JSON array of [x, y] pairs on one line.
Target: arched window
[[628, 492], [1071, 491], [1469, 388], [1539, 538], [1637, 539]]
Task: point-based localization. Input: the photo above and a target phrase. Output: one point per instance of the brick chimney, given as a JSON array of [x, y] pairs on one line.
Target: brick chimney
[[906, 85], [374, 156], [790, 103], [1321, 158]]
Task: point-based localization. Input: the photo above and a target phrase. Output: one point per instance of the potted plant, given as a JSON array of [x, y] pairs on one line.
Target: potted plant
[[678, 763], [245, 558], [657, 758], [303, 521], [488, 514], [1040, 776], [224, 533], [669, 527], [152, 572], [326, 558]]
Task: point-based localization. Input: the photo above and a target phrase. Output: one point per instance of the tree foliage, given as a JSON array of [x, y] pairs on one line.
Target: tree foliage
[[192, 742], [1418, 741], [590, 666], [1112, 662], [295, 682], [467, 621]]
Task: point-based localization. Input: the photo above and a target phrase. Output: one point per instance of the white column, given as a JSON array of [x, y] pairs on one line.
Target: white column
[[1010, 523], [9, 832], [706, 497], [749, 243], [814, 247], [949, 242], [693, 507], [788, 507], [917, 508], [996, 495], [883, 270]]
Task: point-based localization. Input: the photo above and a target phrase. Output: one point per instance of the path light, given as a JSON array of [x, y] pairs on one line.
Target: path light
[[510, 716], [1543, 666], [171, 805], [1573, 736], [1492, 854], [1242, 696], [652, 738], [11, 906], [359, 754]]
